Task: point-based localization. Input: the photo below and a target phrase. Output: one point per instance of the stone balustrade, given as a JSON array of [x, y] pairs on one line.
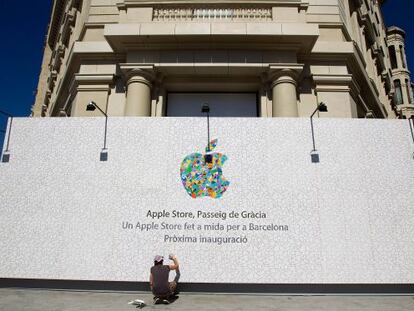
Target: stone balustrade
[[210, 13]]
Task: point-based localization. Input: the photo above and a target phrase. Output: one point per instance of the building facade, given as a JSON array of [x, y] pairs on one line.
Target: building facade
[[258, 58]]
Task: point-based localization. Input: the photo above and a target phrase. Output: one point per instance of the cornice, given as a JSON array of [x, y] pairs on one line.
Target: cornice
[[394, 30], [137, 3], [91, 83], [56, 17], [136, 36], [394, 38], [328, 79], [400, 72], [81, 78], [337, 83]]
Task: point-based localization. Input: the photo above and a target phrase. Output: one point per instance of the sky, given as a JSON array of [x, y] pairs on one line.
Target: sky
[[400, 13], [23, 30]]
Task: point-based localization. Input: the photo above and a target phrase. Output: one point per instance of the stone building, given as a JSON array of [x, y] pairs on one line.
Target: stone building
[[258, 58]]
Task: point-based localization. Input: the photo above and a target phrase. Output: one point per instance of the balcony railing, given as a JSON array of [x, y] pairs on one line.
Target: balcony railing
[[196, 14]]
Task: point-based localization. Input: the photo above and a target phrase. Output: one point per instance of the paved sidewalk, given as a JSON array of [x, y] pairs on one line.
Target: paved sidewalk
[[55, 300]]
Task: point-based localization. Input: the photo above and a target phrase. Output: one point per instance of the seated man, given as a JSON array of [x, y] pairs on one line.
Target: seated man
[[160, 286]]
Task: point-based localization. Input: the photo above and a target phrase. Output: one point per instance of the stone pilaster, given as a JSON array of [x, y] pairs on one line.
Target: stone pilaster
[[91, 87], [339, 92]]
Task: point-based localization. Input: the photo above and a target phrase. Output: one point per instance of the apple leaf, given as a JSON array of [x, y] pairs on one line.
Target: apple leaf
[[212, 145]]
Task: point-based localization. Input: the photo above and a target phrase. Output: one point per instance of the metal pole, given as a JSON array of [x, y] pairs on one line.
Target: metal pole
[[106, 123], [106, 130], [411, 127], [313, 135], [8, 135], [208, 131]]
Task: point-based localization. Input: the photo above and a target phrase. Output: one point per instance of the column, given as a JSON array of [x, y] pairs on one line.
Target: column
[[284, 100], [138, 101]]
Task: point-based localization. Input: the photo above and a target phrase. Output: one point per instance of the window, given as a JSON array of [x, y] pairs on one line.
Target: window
[[375, 30], [221, 104], [393, 57], [407, 87], [402, 56], [398, 93]]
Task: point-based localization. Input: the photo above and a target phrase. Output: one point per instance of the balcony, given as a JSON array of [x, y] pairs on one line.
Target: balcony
[[293, 36], [212, 13]]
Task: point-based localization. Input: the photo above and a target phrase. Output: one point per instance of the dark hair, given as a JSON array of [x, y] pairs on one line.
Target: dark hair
[[158, 263]]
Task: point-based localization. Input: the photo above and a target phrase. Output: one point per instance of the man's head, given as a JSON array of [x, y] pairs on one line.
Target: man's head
[[158, 260]]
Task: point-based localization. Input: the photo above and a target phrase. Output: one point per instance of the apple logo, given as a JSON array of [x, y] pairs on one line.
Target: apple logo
[[202, 175]]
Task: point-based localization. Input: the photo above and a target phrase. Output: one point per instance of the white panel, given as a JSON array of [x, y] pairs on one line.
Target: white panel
[[221, 104], [349, 217]]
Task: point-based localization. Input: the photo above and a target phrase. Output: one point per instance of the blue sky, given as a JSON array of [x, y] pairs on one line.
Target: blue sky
[[23, 28]]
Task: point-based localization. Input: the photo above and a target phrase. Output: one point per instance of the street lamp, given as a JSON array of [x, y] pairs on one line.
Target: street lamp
[[206, 109], [92, 106], [314, 154], [6, 155]]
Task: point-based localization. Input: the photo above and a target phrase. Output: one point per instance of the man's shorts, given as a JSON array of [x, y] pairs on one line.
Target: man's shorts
[[172, 287]]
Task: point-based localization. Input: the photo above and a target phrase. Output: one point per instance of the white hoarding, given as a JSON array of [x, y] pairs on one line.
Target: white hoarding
[[262, 213]]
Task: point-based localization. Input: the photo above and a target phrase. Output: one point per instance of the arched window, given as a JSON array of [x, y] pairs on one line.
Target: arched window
[[407, 87], [398, 93], [393, 57], [402, 56]]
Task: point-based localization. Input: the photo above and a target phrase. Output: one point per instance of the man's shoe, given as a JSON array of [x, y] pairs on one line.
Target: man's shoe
[[157, 301], [165, 302], [173, 298]]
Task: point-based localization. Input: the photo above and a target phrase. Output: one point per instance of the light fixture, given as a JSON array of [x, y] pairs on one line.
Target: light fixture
[[5, 158], [314, 153], [92, 106], [205, 108]]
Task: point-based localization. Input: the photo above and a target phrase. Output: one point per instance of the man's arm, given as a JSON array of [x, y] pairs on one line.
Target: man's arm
[[151, 281], [175, 265]]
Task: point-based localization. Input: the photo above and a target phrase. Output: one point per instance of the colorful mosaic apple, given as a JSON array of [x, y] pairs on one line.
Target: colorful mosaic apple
[[203, 178]]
